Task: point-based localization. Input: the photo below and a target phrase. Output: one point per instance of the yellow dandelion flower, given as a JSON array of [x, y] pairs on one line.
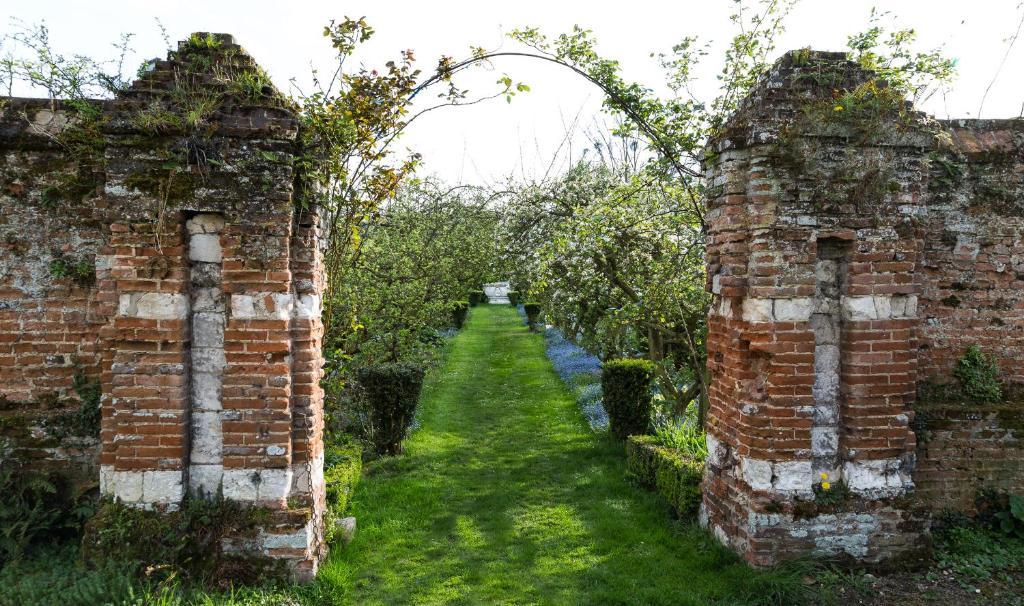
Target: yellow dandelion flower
[[824, 476], [825, 485], [838, 108]]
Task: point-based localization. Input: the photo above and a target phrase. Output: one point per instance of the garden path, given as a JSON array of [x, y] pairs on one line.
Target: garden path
[[504, 496]]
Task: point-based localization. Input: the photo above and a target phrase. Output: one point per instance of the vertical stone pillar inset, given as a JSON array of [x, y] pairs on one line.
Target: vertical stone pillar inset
[[206, 467], [812, 251]]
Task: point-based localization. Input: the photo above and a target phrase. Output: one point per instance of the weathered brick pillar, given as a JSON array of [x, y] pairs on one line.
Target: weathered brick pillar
[[811, 345], [212, 380]]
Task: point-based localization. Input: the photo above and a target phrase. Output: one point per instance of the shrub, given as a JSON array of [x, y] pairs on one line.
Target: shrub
[[393, 391], [476, 297], [343, 467], [187, 544], [626, 385], [513, 297], [532, 309], [667, 471], [979, 376], [459, 311]]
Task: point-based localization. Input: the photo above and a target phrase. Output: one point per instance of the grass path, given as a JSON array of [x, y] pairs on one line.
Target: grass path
[[505, 497]]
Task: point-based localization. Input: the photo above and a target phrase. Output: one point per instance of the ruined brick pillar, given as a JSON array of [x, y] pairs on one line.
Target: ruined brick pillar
[[211, 381], [812, 352]]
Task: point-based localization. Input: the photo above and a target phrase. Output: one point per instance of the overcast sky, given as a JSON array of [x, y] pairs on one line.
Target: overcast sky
[[484, 143]]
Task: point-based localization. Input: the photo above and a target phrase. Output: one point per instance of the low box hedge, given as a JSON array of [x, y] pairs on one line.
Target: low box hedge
[[665, 471], [626, 385], [459, 311]]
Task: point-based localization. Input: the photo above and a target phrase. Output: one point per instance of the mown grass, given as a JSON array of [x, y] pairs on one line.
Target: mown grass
[[504, 496]]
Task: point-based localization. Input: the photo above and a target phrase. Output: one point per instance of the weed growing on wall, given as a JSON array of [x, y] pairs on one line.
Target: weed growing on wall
[[979, 377]]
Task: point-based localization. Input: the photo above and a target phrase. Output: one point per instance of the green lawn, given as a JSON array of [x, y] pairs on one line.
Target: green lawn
[[504, 496]]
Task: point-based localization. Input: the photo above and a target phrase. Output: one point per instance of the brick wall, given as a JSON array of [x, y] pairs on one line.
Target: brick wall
[[51, 308], [852, 264], [202, 324]]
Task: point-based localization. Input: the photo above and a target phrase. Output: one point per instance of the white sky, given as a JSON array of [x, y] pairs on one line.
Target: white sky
[[484, 143]]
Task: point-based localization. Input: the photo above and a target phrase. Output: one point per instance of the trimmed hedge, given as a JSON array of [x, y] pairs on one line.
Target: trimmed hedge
[[513, 297], [459, 311], [393, 391], [532, 310], [665, 471], [476, 297], [626, 385]]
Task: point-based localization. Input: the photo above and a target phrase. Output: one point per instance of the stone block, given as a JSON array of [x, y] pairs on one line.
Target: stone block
[[204, 248], [208, 360], [205, 223], [153, 306], [793, 310], [206, 391], [207, 437], [162, 487], [208, 329], [757, 310], [257, 485]]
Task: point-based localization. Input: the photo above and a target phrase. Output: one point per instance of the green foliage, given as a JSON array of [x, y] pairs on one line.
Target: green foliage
[[36, 507], [667, 470], [343, 467], [979, 376], [976, 553], [393, 392], [830, 493], [626, 385], [82, 271], [476, 297], [1011, 520], [513, 297], [251, 85], [459, 311], [200, 42], [687, 437], [917, 74], [187, 544]]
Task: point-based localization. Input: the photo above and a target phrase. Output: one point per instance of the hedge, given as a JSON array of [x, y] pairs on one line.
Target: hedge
[[476, 297], [626, 385], [393, 391], [665, 471], [532, 310], [513, 297], [459, 311]]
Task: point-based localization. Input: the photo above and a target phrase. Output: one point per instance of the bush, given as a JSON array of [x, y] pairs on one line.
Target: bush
[[667, 471], [393, 391], [343, 466], [626, 385], [979, 376], [476, 297], [459, 311], [186, 545], [532, 310], [513, 298]]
